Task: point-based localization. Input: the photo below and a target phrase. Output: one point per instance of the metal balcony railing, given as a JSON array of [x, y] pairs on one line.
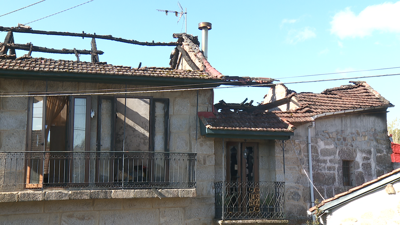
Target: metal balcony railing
[[241, 201], [96, 170]]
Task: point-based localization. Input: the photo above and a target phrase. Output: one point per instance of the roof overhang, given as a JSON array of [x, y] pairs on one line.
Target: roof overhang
[[358, 193], [108, 78], [246, 134]]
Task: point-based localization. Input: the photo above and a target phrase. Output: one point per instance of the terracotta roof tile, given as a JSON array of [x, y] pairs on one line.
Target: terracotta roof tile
[[51, 65], [246, 121], [356, 96]]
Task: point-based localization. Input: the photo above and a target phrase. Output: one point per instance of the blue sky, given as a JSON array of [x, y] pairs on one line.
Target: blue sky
[[276, 39]]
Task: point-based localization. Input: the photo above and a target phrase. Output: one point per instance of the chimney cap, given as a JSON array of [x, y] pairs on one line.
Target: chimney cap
[[203, 25]]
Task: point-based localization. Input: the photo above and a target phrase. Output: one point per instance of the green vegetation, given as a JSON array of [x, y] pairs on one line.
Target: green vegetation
[[316, 213]]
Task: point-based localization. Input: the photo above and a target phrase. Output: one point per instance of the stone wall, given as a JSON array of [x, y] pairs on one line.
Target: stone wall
[[183, 137], [178, 211], [360, 138]]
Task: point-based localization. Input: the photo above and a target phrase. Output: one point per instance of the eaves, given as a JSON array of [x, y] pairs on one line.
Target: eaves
[[109, 78], [246, 134]]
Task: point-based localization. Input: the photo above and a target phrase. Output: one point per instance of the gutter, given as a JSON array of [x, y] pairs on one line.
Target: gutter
[[108, 78], [349, 111], [353, 196], [310, 162]]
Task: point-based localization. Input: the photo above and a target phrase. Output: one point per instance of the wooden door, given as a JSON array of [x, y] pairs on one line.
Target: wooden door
[[242, 173]]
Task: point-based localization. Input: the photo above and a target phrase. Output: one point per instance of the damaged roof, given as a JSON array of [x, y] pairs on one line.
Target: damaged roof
[[266, 121], [358, 95], [244, 117], [51, 65], [196, 68], [264, 125]]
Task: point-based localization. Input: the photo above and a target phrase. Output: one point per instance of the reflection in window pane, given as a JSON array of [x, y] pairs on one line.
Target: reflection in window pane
[[79, 124], [37, 139]]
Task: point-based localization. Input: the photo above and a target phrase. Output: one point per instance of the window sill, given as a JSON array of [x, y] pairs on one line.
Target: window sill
[[55, 195]]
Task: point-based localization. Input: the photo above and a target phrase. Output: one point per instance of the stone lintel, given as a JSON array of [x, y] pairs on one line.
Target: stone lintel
[[55, 195]]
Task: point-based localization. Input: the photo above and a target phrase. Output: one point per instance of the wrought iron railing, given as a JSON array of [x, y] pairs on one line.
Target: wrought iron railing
[[238, 201], [96, 170]]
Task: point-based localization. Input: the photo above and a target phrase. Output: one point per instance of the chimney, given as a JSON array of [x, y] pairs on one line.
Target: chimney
[[204, 26]]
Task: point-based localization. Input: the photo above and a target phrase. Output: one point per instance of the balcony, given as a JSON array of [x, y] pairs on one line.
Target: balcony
[[96, 170], [249, 201]]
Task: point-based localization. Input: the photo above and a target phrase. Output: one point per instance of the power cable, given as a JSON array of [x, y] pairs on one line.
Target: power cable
[[59, 12], [22, 8], [345, 78], [342, 72], [113, 92]]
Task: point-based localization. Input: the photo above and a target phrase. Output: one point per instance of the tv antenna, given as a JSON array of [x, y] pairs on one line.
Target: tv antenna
[[181, 13]]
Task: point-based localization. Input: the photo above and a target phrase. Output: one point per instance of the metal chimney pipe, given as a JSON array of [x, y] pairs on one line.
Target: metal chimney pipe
[[204, 27]]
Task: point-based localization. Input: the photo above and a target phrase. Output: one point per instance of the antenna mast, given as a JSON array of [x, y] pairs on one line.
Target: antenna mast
[[181, 13]]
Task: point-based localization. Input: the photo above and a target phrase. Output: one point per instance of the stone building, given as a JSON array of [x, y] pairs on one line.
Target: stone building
[[94, 143], [341, 131]]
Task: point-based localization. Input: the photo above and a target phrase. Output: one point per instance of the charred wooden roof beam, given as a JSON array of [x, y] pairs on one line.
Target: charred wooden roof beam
[[83, 35], [29, 47]]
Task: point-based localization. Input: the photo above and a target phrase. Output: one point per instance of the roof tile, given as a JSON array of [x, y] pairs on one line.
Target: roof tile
[[51, 65]]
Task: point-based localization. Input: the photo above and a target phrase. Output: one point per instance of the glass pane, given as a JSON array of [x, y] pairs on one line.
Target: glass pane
[[132, 124], [79, 124], [105, 160], [106, 121], [160, 135], [37, 141], [233, 164], [249, 160], [79, 141]]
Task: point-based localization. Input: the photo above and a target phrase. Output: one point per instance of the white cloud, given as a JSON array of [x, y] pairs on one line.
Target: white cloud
[[384, 17], [324, 52], [284, 21], [296, 36]]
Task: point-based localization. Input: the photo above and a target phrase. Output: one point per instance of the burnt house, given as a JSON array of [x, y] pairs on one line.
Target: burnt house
[[336, 140], [95, 143]]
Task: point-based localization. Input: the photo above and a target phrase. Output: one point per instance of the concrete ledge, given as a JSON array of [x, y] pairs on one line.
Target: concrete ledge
[[250, 222], [56, 195]]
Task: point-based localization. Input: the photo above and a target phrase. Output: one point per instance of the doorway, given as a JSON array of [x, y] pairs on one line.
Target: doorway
[[242, 175]]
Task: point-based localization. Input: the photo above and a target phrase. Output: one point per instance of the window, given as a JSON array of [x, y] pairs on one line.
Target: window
[[132, 124], [128, 129], [56, 124], [347, 169]]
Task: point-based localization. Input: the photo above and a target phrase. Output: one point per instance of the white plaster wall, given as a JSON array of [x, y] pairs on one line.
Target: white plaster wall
[[374, 208]]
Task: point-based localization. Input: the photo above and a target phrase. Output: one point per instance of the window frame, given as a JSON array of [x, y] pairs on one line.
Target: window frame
[[69, 138], [347, 172]]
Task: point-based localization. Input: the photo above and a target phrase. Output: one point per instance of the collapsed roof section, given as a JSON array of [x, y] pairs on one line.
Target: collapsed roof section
[[282, 108], [188, 56], [187, 62]]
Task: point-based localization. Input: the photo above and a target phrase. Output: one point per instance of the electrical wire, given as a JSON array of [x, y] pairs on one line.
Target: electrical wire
[[342, 72], [58, 12], [132, 90], [345, 78], [313, 184], [22, 8]]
